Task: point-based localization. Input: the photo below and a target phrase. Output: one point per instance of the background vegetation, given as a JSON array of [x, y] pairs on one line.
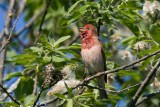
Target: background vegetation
[[40, 62]]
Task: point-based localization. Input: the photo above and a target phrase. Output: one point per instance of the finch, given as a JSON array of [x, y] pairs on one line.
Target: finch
[[93, 55]]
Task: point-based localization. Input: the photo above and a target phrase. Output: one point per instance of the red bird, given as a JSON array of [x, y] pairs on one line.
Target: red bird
[[93, 55]]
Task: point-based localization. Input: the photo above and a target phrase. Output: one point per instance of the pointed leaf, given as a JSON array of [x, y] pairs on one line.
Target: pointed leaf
[[57, 59], [12, 75], [74, 6], [24, 88], [155, 33], [61, 40], [69, 103]]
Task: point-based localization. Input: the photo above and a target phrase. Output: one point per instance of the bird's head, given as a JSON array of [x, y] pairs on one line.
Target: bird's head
[[88, 31]]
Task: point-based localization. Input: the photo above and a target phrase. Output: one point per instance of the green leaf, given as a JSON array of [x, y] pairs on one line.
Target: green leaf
[[69, 103], [83, 9], [29, 100], [69, 90], [45, 43], [82, 105], [135, 75], [57, 59], [74, 6], [110, 65], [12, 75], [61, 96], [9, 104], [115, 97], [131, 4], [36, 49], [155, 33], [61, 40], [46, 59], [24, 59], [134, 28], [85, 95], [24, 88], [149, 51]]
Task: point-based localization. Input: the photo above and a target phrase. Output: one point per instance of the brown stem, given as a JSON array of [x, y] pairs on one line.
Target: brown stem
[[144, 84]]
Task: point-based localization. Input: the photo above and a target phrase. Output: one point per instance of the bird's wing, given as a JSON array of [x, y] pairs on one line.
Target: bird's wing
[[104, 62]]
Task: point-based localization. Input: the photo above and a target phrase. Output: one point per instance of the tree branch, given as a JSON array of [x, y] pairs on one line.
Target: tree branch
[[10, 35], [4, 41], [30, 22], [120, 68], [147, 97], [128, 88], [48, 2], [13, 99], [103, 73], [112, 91], [144, 84], [10, 89]]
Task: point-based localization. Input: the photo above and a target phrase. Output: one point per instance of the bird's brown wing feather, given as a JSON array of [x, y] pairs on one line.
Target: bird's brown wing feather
[[104, 61]]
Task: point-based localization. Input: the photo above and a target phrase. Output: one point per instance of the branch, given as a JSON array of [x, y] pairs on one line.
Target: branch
[[48, 82], [147, 97], [13, 99], [120, 68], [112, 91], [9, 17], [10, 89], [10, 35], [128, 88], [4, 34], [99, 26], [144, 84], [30, 22], [21, 7], [103, 73], [48, 2], [42, 89], [35, 84]]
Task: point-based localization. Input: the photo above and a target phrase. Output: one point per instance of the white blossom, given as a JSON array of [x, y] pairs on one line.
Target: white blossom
[[140, 45]]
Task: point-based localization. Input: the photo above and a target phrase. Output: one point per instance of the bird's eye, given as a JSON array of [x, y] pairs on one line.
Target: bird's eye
[[88, 28]]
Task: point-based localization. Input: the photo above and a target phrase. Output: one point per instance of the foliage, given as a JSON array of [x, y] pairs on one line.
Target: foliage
[[128, 33]]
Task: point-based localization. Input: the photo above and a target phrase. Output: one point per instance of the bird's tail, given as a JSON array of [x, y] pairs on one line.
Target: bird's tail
[[101, 84]]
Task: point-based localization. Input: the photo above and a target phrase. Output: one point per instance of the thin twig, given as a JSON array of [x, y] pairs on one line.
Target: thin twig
[[21, 7], [30, 22], [42, 89], [99, 26], [48, 82], [10, 89], [48, 2], [35, 85], [147, 97], [144, 84], [13, 99], [113, 91], [128, 88], [10, 35]]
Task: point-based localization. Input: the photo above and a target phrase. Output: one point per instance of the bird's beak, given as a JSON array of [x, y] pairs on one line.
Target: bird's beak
[[81, 29]]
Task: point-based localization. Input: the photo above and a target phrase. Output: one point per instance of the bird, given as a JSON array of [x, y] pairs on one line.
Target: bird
[[93, 55]]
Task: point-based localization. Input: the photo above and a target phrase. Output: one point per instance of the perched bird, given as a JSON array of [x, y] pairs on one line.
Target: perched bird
[[93, 55]]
